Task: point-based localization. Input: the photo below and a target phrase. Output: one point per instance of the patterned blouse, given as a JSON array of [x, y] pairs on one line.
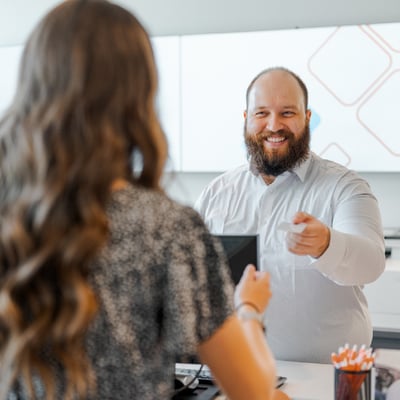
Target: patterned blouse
[[164, 286]]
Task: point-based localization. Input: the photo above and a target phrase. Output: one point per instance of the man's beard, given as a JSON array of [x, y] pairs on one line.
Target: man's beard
[[274, 163]]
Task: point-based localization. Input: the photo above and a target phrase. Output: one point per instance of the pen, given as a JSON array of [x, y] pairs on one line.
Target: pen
[[352, 360]]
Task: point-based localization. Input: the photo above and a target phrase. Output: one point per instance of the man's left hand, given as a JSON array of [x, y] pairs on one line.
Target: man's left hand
[[313, 240]]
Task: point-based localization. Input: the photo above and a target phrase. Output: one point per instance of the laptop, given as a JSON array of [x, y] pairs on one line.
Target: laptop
[[202, 374], [240, 250]]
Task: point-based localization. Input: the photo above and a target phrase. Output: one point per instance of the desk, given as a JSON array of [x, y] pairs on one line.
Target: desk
[[305, 381]]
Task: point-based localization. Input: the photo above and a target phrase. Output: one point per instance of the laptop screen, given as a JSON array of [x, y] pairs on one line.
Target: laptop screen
[[240, 250]]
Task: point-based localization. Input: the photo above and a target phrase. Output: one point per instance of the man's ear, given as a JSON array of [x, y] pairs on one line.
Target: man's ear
[[244, 114], [308, 115]]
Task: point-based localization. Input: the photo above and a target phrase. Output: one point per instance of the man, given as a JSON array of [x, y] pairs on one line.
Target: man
[[331, 243]]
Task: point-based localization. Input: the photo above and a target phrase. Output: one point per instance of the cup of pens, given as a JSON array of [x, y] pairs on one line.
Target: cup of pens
[[353, 373]]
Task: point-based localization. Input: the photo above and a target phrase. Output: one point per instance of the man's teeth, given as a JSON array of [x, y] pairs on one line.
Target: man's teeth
[[275, 139]]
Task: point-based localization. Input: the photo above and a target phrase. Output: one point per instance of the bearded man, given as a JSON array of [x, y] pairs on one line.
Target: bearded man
[[319, 225]]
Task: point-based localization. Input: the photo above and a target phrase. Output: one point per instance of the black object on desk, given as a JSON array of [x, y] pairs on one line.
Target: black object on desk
[[202, 392]]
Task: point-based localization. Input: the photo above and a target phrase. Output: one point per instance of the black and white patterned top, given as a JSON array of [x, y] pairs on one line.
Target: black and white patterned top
[[163, 286]]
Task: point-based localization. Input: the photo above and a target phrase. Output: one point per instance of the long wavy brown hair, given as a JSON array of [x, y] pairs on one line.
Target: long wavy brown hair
[[82, 115]]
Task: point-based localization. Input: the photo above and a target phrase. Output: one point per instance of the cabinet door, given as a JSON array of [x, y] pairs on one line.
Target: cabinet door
[[9, 60], [167, 55]]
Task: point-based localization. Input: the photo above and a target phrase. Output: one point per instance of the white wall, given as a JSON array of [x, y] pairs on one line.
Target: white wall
[[386, 188], [174, 17]]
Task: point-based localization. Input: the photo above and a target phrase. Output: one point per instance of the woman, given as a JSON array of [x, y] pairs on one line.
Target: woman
[[104, 280]]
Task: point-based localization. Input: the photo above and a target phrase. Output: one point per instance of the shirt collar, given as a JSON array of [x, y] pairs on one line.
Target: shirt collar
[[301, 170]]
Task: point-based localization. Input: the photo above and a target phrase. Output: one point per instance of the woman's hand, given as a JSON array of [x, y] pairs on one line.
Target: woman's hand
[[253, 288]]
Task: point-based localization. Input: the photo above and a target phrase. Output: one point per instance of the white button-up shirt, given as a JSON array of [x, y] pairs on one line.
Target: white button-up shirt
[[317, 305]]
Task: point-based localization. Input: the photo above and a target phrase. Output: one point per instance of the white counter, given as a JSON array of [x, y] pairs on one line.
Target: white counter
[[307, 381]]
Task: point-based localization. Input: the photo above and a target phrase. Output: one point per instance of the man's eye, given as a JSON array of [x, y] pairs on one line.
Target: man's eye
[[260, 113], [288, 113]]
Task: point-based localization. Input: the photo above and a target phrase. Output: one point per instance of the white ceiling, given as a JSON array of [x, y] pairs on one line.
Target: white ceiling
[[173, 17]]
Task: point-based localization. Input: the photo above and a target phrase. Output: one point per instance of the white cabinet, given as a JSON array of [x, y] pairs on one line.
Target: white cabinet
[[383, 297], [167, 55], [9, 69]]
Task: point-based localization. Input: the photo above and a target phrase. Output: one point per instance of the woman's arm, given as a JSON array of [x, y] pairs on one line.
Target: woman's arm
[[237, 353]]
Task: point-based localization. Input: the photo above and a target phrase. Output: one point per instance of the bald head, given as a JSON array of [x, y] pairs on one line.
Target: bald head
[[279, 75]]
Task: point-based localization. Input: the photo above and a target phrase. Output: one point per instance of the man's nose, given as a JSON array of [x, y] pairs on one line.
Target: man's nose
[[274, 123]]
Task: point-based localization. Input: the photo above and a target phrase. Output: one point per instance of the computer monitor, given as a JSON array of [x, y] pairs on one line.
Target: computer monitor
[[241, 250]]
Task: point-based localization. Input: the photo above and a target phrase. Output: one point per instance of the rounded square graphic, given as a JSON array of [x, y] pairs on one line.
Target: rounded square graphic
[[389, 34], [343, 58], [380, 115], [336, 153]]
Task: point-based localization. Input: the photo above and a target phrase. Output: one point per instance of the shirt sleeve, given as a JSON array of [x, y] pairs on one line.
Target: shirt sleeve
[[200, 204], [202, 207], [356, 253], [213, 208]]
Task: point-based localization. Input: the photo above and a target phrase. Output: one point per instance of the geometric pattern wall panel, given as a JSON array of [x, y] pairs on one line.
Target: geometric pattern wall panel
[[352, 72]]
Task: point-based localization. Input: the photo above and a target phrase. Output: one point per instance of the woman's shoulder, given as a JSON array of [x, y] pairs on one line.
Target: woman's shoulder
[[152, 206]]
